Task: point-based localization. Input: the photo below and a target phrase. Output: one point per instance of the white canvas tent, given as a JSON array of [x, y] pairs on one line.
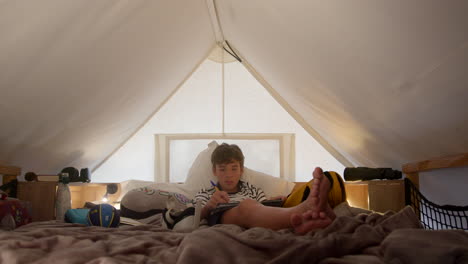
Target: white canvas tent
[[377, 83]]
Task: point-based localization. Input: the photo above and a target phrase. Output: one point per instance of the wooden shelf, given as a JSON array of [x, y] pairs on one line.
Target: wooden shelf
[[41, 195], [377, 195], [88, 192]]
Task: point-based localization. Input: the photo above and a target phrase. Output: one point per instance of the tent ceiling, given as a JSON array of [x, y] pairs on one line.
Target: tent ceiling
[[383, 82], [79, 77]]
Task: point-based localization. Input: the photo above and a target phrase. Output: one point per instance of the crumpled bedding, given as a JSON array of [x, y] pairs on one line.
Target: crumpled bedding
[[364, 238]]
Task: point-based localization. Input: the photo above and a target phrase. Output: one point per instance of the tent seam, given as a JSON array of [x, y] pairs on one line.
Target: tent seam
[[299, 119]]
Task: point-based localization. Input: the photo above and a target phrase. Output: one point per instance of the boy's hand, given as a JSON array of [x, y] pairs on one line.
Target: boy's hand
[[217, 198]]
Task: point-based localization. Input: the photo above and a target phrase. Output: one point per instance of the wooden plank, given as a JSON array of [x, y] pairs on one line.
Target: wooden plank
[[76, 197], [90, 192], [41, 195], [451, 161], [357, 194], [10, 170], [386, 195], [414, 177]]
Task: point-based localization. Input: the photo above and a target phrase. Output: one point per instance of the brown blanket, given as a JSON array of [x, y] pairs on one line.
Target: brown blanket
[[373, 238]]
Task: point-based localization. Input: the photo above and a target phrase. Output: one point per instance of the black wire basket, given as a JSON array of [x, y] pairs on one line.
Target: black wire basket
[[434, 216]]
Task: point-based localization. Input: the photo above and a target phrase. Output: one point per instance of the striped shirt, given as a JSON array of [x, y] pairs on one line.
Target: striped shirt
[[246, 191]]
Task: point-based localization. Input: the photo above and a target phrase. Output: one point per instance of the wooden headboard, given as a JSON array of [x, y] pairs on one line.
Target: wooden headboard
[[413, 169], [9, 172]]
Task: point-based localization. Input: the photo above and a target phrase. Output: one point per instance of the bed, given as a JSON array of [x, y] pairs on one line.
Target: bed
[[356, 236]]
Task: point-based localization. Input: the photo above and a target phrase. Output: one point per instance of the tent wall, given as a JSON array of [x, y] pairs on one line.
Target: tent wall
[[79, 77], [382, 82], [447, 186], [197, 108]]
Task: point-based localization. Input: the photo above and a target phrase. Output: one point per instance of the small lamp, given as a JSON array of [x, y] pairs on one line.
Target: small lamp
[[111, 189]]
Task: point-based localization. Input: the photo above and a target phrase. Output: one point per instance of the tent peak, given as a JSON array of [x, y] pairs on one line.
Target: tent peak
[[218, 54]]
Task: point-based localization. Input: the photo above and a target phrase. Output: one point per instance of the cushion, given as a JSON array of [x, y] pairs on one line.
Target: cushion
[[201, 173], [142, 199], [129, 185], [146, 201], [272, 186]]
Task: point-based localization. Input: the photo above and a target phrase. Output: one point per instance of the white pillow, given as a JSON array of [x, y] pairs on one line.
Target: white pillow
[[272, 186], [201, 173]]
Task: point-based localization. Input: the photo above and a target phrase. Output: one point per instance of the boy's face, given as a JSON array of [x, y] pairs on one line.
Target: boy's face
[[228, 175]]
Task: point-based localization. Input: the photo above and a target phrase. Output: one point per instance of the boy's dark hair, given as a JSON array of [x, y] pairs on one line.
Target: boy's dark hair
[[226, 153]]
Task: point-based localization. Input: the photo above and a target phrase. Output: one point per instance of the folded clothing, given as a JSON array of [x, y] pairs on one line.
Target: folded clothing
[[366, 174]]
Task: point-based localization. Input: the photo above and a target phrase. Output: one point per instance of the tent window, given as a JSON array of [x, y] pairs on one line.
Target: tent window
[[268, 153]]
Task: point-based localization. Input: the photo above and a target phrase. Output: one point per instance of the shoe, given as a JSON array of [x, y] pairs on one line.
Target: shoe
[[186, 220]]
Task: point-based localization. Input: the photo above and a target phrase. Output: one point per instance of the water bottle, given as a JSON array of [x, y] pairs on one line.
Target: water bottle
[[63, 200]]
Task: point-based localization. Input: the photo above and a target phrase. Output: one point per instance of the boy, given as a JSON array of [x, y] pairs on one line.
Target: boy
[[228, 165]]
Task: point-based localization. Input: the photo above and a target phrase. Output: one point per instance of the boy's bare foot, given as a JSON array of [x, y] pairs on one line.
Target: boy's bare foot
[[314, 212], [320, 188], [309, 221]]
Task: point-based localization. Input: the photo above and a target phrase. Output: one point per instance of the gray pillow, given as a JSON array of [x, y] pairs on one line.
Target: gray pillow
[[144, 202]]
